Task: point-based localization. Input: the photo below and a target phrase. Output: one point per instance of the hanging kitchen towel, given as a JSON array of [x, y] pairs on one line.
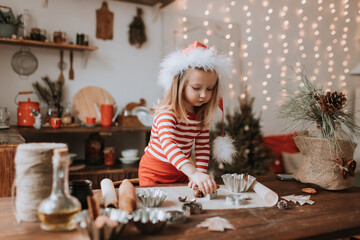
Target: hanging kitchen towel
[[104, 22]]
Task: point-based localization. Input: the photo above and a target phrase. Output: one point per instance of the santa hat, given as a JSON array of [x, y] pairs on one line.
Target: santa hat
[[198, 55]]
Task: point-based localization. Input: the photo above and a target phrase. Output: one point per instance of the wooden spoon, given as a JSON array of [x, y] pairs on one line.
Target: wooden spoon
[[71, 71], [61, 78]]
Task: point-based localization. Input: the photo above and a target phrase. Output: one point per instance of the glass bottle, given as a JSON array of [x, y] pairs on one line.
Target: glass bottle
[[56, 212], [26, 24]]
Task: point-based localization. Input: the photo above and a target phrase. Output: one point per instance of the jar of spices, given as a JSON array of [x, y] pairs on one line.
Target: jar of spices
[[109, 156], [35, 34], [94, 150], [58, 37]]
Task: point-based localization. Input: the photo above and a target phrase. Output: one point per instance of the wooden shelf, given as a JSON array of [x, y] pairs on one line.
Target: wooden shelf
[[31, 130], [31, 43], [149, 2]]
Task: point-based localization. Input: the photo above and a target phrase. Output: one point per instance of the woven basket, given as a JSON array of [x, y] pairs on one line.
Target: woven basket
[[319, 164]]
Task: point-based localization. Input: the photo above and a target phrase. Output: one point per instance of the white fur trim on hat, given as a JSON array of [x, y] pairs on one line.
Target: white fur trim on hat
[[206, 58]]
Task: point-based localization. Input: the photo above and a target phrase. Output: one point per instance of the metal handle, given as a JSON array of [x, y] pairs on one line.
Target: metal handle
[[25, 92], [22, 93]]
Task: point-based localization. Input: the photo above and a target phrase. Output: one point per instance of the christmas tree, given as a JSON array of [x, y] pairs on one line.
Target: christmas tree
[[252, 156]]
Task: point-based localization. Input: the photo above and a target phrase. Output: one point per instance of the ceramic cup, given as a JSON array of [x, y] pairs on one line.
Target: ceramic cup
[[55, 122], [90, 120]]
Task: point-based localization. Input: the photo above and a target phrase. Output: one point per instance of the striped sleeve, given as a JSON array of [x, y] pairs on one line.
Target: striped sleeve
[[202, 151], [166, 123]]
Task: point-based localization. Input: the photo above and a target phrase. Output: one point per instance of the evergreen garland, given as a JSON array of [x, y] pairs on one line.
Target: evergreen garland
[[244, 128]]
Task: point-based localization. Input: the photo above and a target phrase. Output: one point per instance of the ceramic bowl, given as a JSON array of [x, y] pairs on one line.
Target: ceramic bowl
[[237, 182], [130, 153], [129, 160]]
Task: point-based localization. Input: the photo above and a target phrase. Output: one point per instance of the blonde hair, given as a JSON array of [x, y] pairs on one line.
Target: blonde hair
[[174, 100]]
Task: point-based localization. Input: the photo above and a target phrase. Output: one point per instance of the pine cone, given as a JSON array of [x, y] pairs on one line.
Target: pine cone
[[331, 102]]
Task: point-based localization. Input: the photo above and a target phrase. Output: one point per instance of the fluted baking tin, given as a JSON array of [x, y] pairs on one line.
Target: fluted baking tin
[[237, 182], [152, 197]]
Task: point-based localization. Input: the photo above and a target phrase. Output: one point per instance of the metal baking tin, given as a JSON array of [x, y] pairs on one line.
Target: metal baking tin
[[87, 226], [152, 197], [236, 199], [150, 220], [237, 182]]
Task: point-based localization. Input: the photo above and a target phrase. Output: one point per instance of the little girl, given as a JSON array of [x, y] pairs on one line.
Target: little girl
[[193, 79]]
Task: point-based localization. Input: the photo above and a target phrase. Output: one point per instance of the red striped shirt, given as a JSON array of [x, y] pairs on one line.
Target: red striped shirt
[[171, 141]]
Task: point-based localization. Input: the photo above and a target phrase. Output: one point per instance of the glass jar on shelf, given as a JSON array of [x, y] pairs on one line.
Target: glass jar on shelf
[[94, 150], [66, 117], [52, 112], [57, 212]]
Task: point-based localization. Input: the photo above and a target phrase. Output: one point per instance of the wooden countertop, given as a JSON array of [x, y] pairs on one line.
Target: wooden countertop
[[10, 137], [335, 214]]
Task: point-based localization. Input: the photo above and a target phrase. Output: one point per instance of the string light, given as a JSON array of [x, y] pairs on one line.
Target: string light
[[248, 37], [285, 27], [323, 43]]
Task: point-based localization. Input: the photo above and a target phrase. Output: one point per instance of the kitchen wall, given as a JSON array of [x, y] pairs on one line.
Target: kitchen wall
[[129, 74]]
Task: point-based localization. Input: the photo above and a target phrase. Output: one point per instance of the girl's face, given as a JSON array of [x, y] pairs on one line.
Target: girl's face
[[199, 88]]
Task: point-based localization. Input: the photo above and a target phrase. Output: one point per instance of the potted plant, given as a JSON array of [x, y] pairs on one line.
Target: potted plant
[[8, 22], [328, 157]]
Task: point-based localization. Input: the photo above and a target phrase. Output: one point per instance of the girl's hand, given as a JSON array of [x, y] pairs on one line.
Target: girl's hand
[[191, 184], [204, 182]]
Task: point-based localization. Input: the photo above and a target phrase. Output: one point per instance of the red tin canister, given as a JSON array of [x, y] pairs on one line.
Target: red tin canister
[[25, 117]]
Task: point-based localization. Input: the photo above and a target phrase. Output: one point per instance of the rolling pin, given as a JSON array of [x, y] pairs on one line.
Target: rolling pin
[[127, 196], [108, 193], [134, 181]]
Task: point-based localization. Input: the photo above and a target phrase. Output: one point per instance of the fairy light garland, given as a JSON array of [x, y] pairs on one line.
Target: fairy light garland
[[285, 51], [344, 36], [232, 45], [300, 41], [329, 30], [268, 50], [329, 48], [245, 46], [317, 43]]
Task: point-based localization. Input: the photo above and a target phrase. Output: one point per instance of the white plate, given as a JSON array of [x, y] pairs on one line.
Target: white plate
[[4, 127], [136, 110], [146, 119]]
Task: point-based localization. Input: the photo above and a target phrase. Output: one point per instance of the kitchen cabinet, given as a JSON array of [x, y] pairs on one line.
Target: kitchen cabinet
[[91, 172]]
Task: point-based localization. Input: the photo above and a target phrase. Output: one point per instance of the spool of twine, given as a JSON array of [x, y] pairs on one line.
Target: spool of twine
[[33, 178]]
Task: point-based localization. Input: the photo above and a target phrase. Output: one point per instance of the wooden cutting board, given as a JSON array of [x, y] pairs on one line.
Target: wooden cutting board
[[84, 100], [104, 22]]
